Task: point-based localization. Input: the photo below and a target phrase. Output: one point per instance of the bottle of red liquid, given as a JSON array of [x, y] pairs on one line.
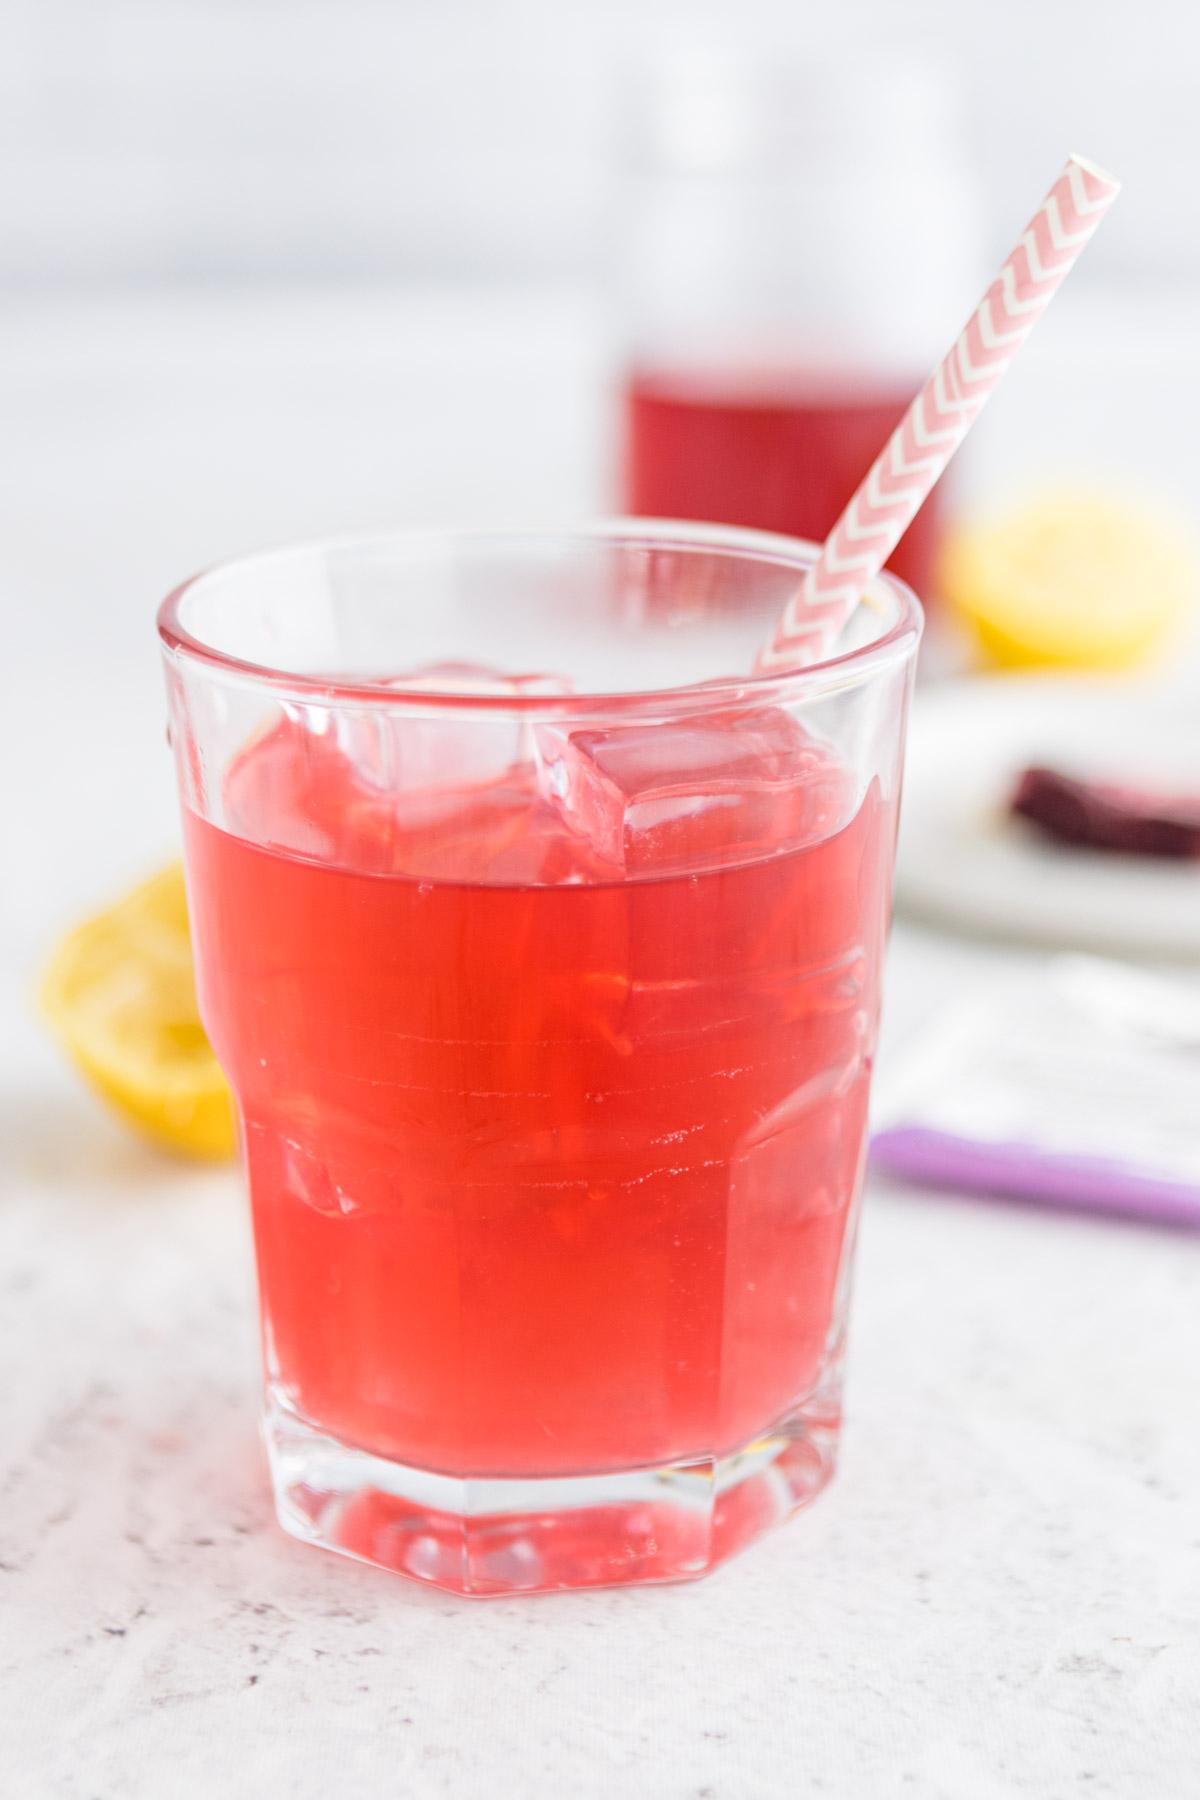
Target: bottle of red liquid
[[799, 251]]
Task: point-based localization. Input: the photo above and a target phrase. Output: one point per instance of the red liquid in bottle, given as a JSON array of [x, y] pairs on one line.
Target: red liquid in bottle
[[773, 454]]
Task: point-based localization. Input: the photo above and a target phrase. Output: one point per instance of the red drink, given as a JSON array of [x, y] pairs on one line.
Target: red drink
[[773, 452], [550, 1168], [550, 1018]]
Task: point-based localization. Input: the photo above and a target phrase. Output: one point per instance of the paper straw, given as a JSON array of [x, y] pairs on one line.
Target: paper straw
[[938, 420]]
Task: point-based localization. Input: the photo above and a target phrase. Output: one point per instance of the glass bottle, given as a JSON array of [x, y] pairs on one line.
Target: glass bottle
[[799, 248]]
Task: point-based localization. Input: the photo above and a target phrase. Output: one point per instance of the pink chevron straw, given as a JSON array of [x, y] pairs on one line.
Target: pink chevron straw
[[938, 420]]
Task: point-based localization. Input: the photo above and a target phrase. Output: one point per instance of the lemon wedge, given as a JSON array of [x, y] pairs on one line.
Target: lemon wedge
[[120, 995], [1071, 581]]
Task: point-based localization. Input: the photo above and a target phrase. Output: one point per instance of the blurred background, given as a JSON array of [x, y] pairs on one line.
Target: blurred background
[[472, 140], [273, 270]]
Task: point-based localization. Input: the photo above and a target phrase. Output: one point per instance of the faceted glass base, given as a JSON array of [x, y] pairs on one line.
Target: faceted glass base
[[491, 1536]]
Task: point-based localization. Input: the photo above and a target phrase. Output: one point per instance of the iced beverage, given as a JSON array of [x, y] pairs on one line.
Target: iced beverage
[[551, 1037]]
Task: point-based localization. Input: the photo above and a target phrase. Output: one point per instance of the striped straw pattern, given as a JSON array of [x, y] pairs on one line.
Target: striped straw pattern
[[941, 415]]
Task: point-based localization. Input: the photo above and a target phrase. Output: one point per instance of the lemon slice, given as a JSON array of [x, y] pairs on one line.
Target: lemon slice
[[1071, 581], [120, 994]]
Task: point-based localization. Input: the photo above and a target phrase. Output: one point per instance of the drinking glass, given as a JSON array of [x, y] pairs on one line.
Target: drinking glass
[[540, 940]]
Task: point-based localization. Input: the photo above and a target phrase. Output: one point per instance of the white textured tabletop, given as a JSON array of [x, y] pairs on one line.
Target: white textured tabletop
[[1000, 1594]]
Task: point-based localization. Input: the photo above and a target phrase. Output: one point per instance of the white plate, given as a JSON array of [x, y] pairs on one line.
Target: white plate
[[964, 861]]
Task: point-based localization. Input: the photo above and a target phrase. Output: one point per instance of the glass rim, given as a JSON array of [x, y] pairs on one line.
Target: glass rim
[[849, 668]]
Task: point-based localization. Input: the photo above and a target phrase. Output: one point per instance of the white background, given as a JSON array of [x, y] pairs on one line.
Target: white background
[[325, 138]]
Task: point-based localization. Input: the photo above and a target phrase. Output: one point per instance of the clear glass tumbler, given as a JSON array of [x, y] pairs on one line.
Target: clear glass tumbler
[[540, 940]]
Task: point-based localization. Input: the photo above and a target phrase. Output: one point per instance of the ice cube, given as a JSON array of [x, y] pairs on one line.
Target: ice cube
[[379, 787], [698, 791], [290, 788], [446, 747], [499, 834], [295, 789]]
